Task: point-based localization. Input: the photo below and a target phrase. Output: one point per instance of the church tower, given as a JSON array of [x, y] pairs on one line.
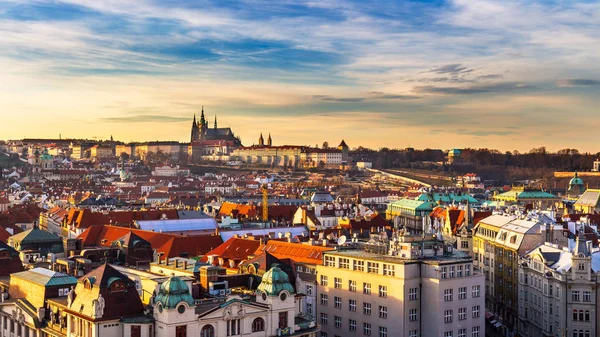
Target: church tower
[[581, 259], [215, 122], [261, 140], [194, 135], [269, 141]]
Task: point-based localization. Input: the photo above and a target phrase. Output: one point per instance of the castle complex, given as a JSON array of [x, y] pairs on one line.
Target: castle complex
[[201, 131]]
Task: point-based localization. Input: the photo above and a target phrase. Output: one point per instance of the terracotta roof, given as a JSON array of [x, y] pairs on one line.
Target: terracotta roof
[[296, 252], [229, 208], [118, 304], [236, 249], [170, 244]]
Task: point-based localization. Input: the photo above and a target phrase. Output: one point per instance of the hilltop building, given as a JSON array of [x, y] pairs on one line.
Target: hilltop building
[[201, 131]]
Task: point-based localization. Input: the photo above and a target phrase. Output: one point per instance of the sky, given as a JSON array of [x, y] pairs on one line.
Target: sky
[[504, 74]]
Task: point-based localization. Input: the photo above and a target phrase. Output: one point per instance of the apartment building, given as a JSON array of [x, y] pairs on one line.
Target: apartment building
[[557, 290], [400, 291], [499, 241]]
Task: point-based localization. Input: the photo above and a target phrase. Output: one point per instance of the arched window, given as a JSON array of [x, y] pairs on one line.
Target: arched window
[[258, 325], [587, 315], [207, 331], [581, 316], [574, 315]]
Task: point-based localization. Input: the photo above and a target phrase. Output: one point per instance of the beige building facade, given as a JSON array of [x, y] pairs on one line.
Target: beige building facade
[[364, 293]]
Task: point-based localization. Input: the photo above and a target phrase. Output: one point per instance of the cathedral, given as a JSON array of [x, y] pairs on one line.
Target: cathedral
[[201, 131]]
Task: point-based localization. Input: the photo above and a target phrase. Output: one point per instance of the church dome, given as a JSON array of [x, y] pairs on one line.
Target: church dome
[[576, 181], [275, 281], [172, 292]]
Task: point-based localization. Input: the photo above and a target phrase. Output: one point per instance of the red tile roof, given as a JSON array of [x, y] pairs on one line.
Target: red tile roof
[[236, 249], [295, 252], [170, 244]]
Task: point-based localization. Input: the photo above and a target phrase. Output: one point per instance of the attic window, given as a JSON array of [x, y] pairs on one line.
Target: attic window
[[513, 239], [117, 286]]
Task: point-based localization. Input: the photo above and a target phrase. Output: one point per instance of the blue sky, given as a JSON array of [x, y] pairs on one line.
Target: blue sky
[[461, 73]]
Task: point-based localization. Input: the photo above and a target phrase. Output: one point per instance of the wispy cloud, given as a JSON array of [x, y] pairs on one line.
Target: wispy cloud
[[453, 69], [327, 98], [475, 89], [578, 82], [144, 119]]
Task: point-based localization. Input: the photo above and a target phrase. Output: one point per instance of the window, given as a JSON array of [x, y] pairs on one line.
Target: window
[[412, 315], [587, 296], [459, 271], [181, 331], [337, 321], [352, 286], [366, 308], [462, 333], [367, 288], [136, 331], [383, 331], [344, 263], [382, 311], [412, 294], [444, 272], [475, 311], [448, 334], [475, 291], [352, 325], [389, 269], [464, 244], [373, 267], [309, 308], [367, 329], [323, 318], [447, 316], [258, 325], [462, 314], [337, 302], [447, 295], [309, 289], [382, 291], [337, 283], [323, 334], [352, 305], [324, 299], [359, 265], [580, 266], [413, 333], [587, 315], [324, 281], [233, 327], [329, 261], [451, 273], [462, 293], [207, 331], [467, 270], [575, 295], [475, 331]]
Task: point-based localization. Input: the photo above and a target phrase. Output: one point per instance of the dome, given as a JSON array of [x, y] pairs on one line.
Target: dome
[[172, 292], [576, 181], [275, 281]]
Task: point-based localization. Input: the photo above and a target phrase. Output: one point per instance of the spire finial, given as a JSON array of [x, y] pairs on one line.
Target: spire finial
[[215, 121]]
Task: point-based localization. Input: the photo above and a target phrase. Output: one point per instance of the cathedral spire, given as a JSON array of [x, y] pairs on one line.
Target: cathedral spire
[[215, 122], [261, 140], [202, 120], [269, 140]]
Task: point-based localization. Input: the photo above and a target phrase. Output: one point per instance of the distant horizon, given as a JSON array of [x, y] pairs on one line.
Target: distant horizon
[[503, 74]]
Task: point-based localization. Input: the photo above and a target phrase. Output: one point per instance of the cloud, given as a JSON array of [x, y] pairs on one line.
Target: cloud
[[144, 119], [383, 95], [453, 69], [490, 77], [327, 98], [578, 82], [506, 87]]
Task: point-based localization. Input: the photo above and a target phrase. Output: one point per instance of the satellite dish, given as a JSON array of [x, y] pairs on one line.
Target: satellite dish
[[341, 240]]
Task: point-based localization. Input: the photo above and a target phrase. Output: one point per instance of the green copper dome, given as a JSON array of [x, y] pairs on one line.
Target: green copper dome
[[172, 292], [575, 181], [274, 281]]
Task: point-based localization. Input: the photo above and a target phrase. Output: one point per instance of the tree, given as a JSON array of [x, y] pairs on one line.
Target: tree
[[325, 145]]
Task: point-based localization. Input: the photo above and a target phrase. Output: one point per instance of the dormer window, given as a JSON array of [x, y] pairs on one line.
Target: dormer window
[[580, 266], [117, 286]]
